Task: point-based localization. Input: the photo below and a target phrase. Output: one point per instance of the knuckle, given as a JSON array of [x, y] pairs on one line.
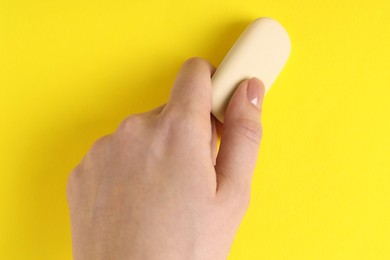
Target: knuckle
[[250, 129], [130, 124], [134, 129], [175, 120], [98, 145], [99, 142], [98, 150]]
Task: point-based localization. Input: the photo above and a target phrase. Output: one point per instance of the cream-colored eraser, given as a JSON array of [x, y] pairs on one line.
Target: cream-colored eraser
[[261, 51]]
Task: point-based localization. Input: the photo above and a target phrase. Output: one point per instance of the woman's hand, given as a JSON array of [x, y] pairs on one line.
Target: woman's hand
[[157, 189]]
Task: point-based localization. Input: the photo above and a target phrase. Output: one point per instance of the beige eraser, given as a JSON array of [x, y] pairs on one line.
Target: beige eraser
[[261, 51]]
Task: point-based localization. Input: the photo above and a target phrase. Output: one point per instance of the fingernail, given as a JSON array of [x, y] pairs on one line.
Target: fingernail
[[255, 92]]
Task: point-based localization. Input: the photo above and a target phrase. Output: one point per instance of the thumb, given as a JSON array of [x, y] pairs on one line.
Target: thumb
[[240, 140]]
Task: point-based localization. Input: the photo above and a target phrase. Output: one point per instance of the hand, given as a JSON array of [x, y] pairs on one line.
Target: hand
[[156, 188]]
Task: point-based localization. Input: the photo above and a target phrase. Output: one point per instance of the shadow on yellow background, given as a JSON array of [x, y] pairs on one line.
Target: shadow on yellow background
[[71, 71]]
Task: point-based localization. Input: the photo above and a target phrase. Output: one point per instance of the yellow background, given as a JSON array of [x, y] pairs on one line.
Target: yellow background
[[70, 71]]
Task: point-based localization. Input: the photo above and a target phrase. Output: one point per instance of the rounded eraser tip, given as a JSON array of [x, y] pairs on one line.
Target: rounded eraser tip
[[261, 51]]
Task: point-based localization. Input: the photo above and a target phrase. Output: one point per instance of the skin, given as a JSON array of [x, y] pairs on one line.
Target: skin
[[157, 188]]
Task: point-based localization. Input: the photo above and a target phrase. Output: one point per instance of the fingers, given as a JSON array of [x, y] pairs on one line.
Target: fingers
[[240, 138], [191, 92]]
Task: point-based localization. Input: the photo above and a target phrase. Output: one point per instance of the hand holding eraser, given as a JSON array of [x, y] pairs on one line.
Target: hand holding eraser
[[261, 51]]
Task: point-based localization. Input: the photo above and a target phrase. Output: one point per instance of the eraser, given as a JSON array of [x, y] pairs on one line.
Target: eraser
[[261, 51]]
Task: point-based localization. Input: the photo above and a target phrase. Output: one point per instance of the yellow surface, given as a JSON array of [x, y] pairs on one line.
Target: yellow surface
[[71, 70]]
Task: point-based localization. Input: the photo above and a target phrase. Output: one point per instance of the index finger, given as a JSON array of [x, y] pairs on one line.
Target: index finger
[[191, 92]]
